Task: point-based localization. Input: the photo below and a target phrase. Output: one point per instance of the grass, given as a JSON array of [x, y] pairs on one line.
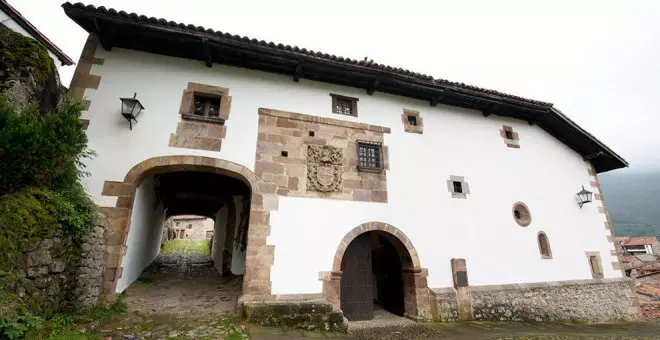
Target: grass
[[200, 247]]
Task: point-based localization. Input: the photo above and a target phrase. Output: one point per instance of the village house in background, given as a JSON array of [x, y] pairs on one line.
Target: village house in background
[[190, 227], [13, 19], [349, 185], [639, 255]]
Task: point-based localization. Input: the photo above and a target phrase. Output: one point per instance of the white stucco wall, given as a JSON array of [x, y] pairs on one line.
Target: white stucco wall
[[543, 173], [219, 236], [14, 26], [143, 244]]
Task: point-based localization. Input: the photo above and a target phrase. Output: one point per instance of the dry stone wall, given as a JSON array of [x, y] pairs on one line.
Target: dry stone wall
[[60, 274], [596, 300]]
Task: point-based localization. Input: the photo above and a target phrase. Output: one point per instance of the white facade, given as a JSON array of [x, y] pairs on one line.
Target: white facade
[[544, 174]]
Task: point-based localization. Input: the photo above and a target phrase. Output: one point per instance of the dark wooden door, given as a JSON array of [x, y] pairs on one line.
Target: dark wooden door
[[356, 280]]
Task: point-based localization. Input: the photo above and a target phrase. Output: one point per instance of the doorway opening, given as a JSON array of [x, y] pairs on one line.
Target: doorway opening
[[373, 280], [186, 247]]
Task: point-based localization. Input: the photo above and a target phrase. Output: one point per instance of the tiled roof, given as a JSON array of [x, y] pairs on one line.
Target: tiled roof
[[331, 57], [639, 241]]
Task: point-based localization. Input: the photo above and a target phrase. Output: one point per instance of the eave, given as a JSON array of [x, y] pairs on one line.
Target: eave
[[131, 31]]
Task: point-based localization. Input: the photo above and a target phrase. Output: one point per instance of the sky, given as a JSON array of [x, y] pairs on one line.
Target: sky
[[597, 61]]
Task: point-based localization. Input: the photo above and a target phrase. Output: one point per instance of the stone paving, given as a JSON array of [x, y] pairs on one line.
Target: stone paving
[[183, 283]]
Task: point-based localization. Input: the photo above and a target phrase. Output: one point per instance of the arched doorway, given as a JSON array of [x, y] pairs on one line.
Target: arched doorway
[[376, 268], [372, 276], [259, 255]]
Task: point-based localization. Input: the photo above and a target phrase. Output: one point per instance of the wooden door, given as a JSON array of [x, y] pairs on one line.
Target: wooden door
[[357, 281]]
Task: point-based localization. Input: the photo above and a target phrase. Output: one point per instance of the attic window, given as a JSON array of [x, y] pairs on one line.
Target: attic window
[[458, 187], [412, 122], [344, 105], [206, 106]]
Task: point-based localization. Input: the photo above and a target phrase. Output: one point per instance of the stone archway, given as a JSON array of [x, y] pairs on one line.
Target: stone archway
[[259, 255], [416, 292]]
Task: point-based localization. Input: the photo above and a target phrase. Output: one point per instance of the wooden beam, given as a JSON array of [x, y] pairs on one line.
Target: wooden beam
[[104, 39], [490, 110], [373, 87], [594, 155], [207, 52], [298, 72], [436, 98]]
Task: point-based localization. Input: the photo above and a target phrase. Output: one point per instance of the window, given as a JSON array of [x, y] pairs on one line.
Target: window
[[178, 223], [206, 106], [412, 121], [285, 154], [510, 137], [189, 226], [458, 187], [544, 246], [369, 156], [594, 264], [508, 134], [344, 105], [521, 214]]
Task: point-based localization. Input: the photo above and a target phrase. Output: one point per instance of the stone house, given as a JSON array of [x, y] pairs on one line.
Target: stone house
[[343, 182], [191, 227]]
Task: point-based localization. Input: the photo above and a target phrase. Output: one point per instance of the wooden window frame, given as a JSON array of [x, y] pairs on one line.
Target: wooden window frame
[[451, 187], [354, 110], [208, 98], [370, 144]]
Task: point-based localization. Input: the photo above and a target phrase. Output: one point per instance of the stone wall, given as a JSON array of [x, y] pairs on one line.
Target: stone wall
[[596, 300], [445, 302], [60, 274], [304, 312]]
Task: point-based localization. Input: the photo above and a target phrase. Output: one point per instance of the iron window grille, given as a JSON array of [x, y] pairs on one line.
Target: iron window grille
[[369, 156], [206, 106], [412, 120], [344, 105]]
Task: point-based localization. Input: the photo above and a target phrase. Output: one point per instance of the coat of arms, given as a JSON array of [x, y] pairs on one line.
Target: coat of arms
[[324, 172]]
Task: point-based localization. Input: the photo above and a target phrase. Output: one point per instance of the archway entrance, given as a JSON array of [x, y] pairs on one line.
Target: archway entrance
[[372, 276], [139, 203]]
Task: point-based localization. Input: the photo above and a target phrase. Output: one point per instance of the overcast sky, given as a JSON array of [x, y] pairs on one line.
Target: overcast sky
[[597, 61]]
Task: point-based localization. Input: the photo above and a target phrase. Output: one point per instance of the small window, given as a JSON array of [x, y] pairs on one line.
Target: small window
[[521, 214], [595, 265], [189, 226], [285, 154], [458, 187], [369, 156], [544, 246], [206, 106], [412, 120], [344, 105], [311, 133], [508, 134], [178, 223]]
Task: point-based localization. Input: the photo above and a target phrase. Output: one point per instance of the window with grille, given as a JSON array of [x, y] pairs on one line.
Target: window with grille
[[369, 156], [344, 105], [206, 106], [412, 120]]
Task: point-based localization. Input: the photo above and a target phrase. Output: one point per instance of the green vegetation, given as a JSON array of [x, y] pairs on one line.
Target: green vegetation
[[195, 247], [20, 53]]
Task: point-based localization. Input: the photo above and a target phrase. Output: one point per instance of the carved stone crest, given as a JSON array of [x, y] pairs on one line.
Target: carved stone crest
[[324, 168]]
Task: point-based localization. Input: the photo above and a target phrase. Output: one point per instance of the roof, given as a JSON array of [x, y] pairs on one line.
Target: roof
[[36, 34], [138, 32], [636, 241]]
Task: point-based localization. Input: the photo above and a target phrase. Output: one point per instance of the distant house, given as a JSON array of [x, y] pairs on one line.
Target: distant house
[[638, 245], [13, 20]]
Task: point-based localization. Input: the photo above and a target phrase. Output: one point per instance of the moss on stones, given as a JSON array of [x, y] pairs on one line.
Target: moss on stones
[[27, 55]]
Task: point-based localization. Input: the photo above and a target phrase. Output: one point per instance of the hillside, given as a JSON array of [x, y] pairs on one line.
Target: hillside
[[633, 199]]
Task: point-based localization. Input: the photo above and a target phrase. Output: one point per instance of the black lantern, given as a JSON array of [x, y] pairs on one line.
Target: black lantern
[[130, 109], [584, 196]]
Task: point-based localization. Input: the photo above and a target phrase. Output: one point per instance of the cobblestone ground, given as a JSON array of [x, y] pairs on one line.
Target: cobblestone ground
[[200, 325], [183, 282]]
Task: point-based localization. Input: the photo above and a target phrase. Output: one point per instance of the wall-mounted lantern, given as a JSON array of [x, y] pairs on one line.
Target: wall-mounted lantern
[[130, 109], [584, 196]]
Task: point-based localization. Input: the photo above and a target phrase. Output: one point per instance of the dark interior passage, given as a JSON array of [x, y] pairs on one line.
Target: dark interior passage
[[372, 276]]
